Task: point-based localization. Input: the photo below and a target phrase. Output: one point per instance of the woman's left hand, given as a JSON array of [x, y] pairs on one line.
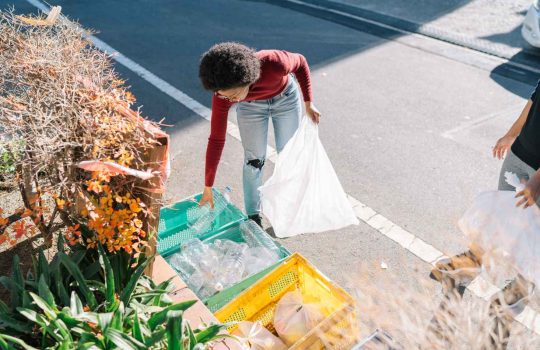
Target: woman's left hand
[[530, 193], [313, 112]]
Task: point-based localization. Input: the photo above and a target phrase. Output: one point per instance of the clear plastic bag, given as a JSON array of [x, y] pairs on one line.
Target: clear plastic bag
[[304, 194], [497, 225], [293, 318], [253, 336]]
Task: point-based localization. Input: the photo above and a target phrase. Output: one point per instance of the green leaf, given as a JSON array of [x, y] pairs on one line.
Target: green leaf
[[137, 330], [43, 267], [190, 334], [89, 340], [88, 317], [3, 307], [156, 337], [127, 292], [92, 271], [7, 338], [77, 274], [118, 318], [15, 291], [62, 292], [59, 325], [27, 301], [45, 292], [33, 316], [3, 344], [60, 244], [43, 305], [209, 333], [124, 341], [105, 319], [67, 318], [15, 324], [160, 317], [75, 304], [166, 285], [153, 293], [16, 272], [109, 275], [174, 331], [59, 280], [96, 285], [32, 285], [77, 256], [65, 345]]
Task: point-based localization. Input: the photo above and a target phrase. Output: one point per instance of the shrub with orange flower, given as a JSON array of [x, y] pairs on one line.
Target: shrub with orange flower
[[65, 105]]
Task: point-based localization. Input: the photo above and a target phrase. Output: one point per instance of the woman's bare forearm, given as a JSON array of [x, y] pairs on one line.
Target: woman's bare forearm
[[515, 130]]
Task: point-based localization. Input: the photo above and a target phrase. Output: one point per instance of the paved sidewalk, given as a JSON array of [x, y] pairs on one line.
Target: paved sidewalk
[[494, 21]]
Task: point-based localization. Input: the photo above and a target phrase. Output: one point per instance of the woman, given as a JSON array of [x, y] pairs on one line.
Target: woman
[[520, 148], [261, 85]]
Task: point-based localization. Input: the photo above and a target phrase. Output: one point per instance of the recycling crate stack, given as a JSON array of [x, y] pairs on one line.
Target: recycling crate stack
[[203, 245]]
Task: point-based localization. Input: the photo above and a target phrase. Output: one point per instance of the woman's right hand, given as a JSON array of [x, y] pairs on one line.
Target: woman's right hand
[[207, 197], [502, 146]]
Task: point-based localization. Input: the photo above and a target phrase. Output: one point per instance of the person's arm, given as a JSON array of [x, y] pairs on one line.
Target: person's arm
[[216, 142], [530, 194], [504, 143], [297, 64]]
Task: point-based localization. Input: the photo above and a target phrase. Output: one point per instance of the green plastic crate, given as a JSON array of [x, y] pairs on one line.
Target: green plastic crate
[[217, 301], [173, 221]]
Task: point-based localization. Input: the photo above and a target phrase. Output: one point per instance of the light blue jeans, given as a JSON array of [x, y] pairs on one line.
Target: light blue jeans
[[285, 110]]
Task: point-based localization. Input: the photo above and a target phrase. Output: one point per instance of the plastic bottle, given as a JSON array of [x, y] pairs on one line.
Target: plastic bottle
[[200, 255], [257, 259], [202, 218], [232, 267], [194, 213], [182, 265], [254, 236]]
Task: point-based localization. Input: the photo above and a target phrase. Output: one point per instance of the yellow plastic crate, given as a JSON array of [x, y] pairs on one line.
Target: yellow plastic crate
[[339, 330]]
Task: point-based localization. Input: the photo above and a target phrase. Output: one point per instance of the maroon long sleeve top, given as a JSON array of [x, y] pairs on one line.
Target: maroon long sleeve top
[[276, 65]]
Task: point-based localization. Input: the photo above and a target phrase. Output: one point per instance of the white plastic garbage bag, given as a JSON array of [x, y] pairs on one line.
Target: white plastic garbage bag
[[253, 336], [293, 319], [304, 194], [496, 224]]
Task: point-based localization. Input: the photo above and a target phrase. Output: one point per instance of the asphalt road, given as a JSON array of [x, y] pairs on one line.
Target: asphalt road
[[408, 122]]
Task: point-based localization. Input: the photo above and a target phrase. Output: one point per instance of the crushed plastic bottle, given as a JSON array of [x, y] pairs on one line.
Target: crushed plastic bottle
[[232, 267]]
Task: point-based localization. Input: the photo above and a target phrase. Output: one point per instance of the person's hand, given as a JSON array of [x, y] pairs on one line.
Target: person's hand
[[529, 195], [502, 146], [313, 112], [207, 197]]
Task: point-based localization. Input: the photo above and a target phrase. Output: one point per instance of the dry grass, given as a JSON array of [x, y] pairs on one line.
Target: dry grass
[[416, 319]]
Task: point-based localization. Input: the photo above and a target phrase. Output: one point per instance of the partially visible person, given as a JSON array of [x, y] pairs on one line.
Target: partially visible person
[[520, 148]]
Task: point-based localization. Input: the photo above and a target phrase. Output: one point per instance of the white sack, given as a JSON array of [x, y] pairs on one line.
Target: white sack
[[304, 194]]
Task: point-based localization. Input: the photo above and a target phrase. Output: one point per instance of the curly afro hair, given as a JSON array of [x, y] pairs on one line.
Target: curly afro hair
[[228, 65]]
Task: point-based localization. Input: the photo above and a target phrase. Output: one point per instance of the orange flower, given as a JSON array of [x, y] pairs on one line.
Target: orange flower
[[60, 203], [74, 230], [94, 186], [18, 227]]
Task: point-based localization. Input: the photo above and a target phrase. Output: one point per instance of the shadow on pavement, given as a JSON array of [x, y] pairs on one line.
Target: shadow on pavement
[[168, 36]]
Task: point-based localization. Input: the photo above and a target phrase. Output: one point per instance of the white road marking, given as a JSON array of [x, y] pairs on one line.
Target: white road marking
[[471, 123], [407, 240]]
